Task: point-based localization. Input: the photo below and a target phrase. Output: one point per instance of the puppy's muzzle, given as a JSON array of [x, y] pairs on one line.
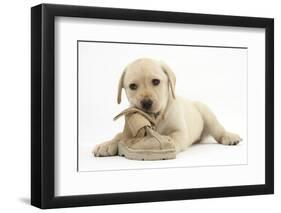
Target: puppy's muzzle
[[146, 104]]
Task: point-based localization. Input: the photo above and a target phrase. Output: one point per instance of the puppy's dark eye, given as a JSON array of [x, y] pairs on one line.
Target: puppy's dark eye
[[155, 82], [133, 86]]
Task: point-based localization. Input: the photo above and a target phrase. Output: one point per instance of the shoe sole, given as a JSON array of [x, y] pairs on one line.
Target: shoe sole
[[150, 155]]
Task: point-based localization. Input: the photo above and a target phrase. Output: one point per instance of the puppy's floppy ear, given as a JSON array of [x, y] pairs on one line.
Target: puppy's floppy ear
[[171, 77], [120, 86]]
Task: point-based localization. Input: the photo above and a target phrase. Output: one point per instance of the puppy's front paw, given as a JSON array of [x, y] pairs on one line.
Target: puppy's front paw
[[105, 149], [230, 139]]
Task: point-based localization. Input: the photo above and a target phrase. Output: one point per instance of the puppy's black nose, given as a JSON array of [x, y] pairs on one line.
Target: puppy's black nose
[[146, 104]]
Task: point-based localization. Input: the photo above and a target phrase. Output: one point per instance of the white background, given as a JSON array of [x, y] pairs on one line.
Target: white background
[[215, 76], [15, 107]]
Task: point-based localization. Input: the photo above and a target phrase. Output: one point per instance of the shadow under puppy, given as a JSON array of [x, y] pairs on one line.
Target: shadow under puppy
[[150, 87]]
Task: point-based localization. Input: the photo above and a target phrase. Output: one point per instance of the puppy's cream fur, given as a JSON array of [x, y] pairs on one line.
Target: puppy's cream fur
[[186, 122]]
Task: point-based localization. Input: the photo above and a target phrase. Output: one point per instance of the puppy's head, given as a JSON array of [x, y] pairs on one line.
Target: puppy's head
[[148, 84]]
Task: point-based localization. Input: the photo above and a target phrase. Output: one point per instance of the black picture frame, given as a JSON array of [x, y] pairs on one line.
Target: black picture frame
[[43, 100]]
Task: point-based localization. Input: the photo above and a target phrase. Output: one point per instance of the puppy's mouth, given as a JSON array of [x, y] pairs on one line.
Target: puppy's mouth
[[156, 114], [150, 112]]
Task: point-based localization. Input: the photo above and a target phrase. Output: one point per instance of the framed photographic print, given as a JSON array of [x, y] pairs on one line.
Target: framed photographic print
[[139, 106]]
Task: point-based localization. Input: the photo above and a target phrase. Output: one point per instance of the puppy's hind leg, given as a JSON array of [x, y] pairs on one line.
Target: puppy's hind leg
[[213, 127]]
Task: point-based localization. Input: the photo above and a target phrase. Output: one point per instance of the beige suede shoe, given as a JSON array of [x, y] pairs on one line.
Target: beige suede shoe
[[140, 141]]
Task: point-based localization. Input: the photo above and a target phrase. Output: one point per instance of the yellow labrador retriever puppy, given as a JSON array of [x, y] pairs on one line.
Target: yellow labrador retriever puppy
[[150, 86]]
